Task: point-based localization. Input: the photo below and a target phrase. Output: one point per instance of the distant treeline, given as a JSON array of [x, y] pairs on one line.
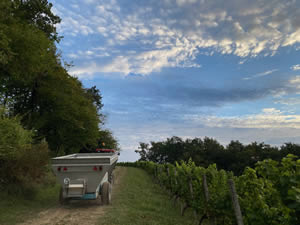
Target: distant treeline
[[204, 152], [43, 109]]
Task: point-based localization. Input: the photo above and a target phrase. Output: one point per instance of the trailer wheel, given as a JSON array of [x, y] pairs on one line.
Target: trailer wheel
[[111, 179], [62, 200], [106, 193]]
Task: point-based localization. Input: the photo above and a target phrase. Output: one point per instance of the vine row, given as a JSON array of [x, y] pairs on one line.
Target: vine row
[[267, 194]]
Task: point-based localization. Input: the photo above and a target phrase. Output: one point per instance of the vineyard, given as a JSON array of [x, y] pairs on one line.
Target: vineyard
[[267, 194]]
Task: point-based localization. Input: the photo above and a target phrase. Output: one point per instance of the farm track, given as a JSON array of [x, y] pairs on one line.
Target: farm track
[[76, 212]]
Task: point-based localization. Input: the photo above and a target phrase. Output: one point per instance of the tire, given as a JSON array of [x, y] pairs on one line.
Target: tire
[[62, 200], [111, 179], [106, 193]]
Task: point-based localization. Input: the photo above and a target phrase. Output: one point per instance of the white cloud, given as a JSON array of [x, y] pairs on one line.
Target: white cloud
[[292, 38], [177, 33], [271, 111], [72, 23], [295, 67], [85, 72], [72, 56], [295, 83], [144, 63], [89, 52], [184, 2], [268, 72], [283, 94], [295, 80], [288, 101], [120, 65], [269, 118]]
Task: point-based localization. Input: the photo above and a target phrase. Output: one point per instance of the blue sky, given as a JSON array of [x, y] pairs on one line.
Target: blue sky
[[191, 68]]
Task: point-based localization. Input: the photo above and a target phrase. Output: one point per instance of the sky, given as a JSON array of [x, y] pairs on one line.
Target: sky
[[228, 70]]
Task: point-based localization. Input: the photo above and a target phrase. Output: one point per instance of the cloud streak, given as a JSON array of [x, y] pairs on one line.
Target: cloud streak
[[173, 35], [268, 72], [269, 118], [295, 67]]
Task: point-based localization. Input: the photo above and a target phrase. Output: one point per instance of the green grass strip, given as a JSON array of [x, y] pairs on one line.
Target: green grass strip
[[140, 201], [17, 208]]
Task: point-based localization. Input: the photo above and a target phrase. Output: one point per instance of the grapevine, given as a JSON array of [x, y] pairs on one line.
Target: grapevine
[[268, 194]]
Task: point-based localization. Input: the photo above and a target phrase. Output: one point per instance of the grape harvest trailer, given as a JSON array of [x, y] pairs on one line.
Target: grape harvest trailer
[[85, 175]]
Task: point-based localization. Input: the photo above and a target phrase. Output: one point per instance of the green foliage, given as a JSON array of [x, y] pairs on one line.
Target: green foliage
[[95, 96], [22, 162], [268, 194], [37, 88], [65, 116], [12, 137], [105, 140], [106, 137], [260, 201], [39, 14], [285, 176], [234, 157]]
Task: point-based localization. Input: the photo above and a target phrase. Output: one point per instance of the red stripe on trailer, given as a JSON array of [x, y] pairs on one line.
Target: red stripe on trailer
[[104, 150]]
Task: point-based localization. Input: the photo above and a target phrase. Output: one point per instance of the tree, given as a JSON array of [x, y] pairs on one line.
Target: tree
[[35, 85], [235, 157], [39, 14], [290, 148], [94, 94], [143, 150], [105, 140]]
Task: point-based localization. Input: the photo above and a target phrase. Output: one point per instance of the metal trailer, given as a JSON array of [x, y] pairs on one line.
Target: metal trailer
[[85, 175]]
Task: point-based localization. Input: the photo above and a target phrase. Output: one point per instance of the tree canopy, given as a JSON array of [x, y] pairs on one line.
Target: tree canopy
[[234, 157], [36, 86]]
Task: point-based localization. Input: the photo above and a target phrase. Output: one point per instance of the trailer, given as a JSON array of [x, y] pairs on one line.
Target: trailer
[[85, 175]]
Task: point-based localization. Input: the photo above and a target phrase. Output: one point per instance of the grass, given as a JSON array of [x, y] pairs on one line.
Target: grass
[[137, 200], [20, 207], [140, 201]]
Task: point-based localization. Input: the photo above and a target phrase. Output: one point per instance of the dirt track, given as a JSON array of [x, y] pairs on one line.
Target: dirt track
[[77, 212]]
